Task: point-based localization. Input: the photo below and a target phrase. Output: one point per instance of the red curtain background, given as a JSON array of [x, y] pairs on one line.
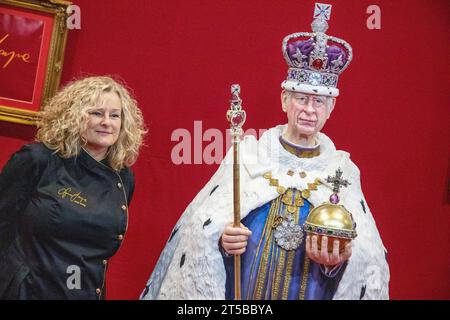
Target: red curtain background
[[180, 58]]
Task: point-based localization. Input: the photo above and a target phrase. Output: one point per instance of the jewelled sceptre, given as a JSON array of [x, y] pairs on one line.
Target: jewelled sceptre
[[236, 117]]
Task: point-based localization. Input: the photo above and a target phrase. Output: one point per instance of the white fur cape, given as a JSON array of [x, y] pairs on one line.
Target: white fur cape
[[191, 265]]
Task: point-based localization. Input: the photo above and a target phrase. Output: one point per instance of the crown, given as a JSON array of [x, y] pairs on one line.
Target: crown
[[315, 59]]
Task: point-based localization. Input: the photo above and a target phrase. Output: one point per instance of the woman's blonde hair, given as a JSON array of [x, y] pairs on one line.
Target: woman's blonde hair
[[64, 118]]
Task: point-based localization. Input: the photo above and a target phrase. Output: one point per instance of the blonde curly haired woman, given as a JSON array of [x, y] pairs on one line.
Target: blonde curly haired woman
[[64, 203]]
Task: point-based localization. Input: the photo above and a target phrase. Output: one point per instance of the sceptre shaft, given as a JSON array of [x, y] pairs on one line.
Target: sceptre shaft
[[236, 117]]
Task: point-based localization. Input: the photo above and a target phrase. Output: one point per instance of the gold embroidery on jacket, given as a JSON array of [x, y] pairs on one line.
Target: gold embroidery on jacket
[[74, 197]]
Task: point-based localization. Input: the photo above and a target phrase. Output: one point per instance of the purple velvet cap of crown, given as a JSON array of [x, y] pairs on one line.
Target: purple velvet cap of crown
[[333, 53], [305, 47]]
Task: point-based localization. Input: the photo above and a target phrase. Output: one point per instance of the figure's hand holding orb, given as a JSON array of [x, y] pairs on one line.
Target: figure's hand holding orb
[[322, 253]]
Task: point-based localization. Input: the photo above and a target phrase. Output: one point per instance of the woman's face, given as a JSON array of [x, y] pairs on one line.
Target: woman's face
[[103, 124]]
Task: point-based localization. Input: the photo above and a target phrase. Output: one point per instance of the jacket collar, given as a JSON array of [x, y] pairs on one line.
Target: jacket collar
[[91, 163]]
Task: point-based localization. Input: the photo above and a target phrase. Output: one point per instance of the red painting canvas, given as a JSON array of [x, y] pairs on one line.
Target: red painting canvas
[[24, 45]]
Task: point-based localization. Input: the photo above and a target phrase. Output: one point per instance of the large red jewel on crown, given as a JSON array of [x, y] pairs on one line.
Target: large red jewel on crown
[[317, 64]]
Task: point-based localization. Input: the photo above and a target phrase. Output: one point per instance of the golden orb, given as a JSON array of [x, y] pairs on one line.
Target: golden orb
[[333, 221]]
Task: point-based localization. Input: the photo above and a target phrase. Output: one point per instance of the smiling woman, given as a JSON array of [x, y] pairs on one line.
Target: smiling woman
[[103, 125], [67, 124], [64, 204]]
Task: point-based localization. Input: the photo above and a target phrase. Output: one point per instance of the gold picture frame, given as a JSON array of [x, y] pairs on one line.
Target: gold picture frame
[[33, 39]]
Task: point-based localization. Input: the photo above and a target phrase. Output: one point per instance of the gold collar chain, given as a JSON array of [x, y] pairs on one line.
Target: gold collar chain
[[306, 193]]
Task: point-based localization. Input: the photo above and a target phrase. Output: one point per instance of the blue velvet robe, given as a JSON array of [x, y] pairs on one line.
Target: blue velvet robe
[[269, 272]]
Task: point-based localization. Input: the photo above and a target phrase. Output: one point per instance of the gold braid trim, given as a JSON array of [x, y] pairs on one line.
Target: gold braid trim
[[278, 275], [287, 277], [306, 264], [267, 233]]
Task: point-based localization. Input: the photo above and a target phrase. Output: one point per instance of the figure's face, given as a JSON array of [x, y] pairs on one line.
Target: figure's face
[[306, 113], [103, 123]]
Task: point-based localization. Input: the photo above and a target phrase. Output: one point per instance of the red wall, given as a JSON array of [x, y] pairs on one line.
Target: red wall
[[180, 57]]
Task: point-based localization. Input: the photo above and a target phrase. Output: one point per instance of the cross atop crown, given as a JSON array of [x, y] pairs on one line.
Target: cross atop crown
[[322, 11]]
